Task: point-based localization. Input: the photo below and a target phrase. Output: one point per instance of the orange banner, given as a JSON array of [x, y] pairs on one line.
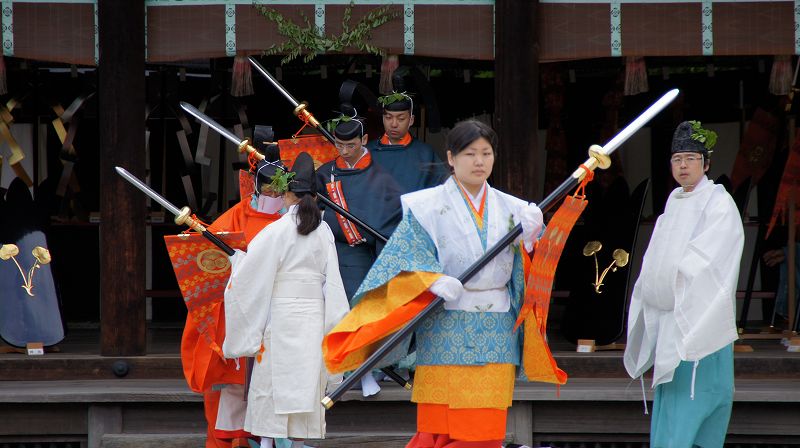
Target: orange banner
[[317, 146], [202, 270]]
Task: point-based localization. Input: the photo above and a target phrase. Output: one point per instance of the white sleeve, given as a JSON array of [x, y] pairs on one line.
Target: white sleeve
[[705, 286], [248, 295]]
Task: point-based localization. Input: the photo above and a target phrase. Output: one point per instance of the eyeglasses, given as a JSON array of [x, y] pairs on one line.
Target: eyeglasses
[[677, 160], [349, 146]]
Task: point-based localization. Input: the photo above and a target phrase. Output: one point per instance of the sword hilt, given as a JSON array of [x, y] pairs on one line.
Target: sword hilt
[[246, 147], [597, 159], [185, 218]]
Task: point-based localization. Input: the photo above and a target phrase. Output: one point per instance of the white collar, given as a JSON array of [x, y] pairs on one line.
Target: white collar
[[476, 200], [701, 184]]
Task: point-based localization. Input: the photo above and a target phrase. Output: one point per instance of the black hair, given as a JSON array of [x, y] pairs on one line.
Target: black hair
[[466, 132], [308, 214]]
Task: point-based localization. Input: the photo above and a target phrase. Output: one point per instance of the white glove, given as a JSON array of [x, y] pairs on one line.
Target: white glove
[[530, 216], [448, 288]]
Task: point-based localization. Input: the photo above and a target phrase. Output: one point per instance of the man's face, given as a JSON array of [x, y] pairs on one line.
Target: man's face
[[351, 150], [397, 123], [688, 168]]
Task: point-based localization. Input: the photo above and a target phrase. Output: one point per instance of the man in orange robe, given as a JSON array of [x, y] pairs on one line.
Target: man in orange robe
[[203, 368]]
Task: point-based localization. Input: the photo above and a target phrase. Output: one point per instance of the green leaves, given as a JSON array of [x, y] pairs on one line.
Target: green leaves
[[706, 137], [333, 122], [279, 182], [309, 41], [393, 98]]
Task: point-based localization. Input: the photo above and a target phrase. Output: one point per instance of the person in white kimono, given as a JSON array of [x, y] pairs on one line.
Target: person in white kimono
[[682, 311], [283, 295]]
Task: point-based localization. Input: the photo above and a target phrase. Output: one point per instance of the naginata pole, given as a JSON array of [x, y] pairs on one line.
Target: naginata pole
[[183, 216], [300, 109], [598, 158]]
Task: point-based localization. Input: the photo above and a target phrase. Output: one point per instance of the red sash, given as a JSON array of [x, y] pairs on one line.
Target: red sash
[[348, 228]]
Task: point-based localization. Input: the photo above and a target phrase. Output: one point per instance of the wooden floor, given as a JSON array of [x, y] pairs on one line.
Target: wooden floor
[[78, 358], [85, 404]]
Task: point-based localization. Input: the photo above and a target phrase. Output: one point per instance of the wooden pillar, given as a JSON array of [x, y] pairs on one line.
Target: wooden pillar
[[121, 103], [516, 93]]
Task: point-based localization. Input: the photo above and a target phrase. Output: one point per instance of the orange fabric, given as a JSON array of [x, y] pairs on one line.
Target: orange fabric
[[336, 194], [466, 425], [317, 146], [362, 163], [380, 312], [243, 218], [202, 366], [537, 360], [210, 405], [477, 214], [429, 440], [405, 141], [463, 387]]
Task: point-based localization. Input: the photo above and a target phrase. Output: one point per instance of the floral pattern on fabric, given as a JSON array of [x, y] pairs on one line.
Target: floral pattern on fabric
[[409, 249]]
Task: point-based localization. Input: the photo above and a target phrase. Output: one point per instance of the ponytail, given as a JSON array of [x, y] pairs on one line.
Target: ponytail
[[308, 214]]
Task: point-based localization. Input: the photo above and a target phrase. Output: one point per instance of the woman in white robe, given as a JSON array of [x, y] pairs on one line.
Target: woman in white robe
[[283, 295]]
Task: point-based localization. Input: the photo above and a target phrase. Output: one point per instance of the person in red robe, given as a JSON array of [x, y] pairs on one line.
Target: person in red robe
[[205, 371]]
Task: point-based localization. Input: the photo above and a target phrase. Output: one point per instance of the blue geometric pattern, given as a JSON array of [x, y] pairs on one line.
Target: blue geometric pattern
[[410, 249]]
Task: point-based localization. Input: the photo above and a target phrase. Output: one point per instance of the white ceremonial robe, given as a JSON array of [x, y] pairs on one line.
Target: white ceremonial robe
[[683, 305], [285, 293], [443, 213]]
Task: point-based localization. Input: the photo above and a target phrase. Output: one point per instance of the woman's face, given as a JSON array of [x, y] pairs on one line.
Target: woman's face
[[473, 165]]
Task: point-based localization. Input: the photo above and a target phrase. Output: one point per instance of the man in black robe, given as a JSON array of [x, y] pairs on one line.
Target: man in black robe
[[370, 194], [412, 163]]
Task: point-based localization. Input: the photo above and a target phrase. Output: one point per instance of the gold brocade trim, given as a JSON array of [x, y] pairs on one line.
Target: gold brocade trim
[[378, 303], [463, 387], [374, 308]]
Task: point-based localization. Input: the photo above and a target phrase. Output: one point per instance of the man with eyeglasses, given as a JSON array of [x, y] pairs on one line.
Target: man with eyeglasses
[[363, 188], [682, 312]]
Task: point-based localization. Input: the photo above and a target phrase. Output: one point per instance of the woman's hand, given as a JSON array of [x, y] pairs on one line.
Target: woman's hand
[[530, 216], [448, 288]]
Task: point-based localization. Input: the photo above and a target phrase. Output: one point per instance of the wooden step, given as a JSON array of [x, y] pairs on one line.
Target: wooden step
[[153, 440]]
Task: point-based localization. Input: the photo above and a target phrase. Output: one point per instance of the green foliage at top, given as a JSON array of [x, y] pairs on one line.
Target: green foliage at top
[[393, 98], [333, 122], [706, 137], [310, 42], [279, 182]]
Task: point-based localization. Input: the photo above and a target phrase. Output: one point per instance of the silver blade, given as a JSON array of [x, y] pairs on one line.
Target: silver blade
[[147, 190], [211, 123], [272, 81], [640, 121]]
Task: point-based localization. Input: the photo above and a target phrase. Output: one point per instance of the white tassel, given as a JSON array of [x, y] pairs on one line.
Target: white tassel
[[644, 396], [237, 363], [694, 377]]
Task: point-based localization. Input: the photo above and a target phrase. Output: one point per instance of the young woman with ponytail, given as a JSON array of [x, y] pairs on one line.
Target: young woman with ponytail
[[283, 295]]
